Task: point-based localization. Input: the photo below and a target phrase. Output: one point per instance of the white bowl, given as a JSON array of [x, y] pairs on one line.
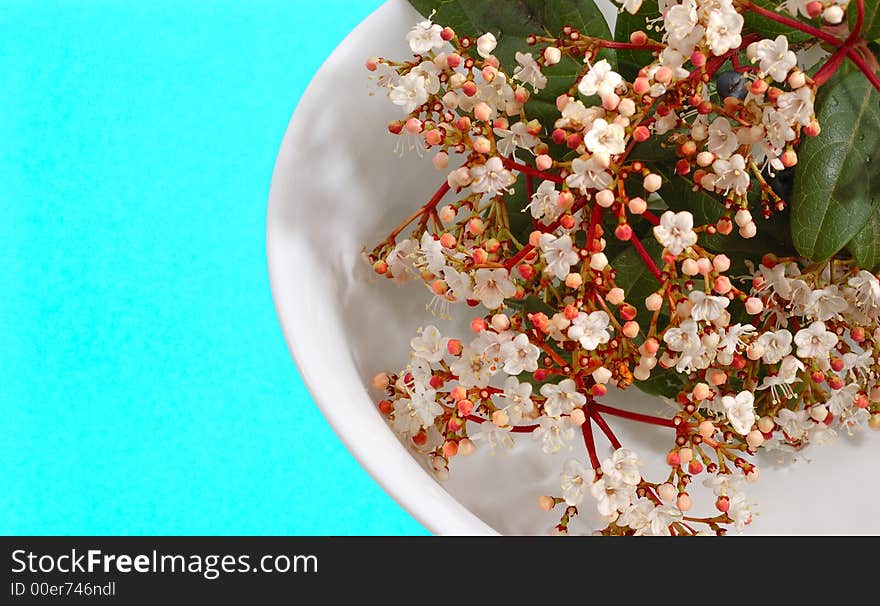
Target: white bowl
[[338, 186]]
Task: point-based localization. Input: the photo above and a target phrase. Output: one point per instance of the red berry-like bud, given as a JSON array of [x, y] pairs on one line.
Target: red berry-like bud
[[695, 467], [447, 34], [723, 504], [385, 407], [682, 167], [672, 458], [623, 232], [420, 438], [540, 374], [627, 312], [573, 141]]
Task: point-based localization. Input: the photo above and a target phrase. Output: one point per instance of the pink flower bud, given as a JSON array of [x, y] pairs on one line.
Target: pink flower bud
[[441, 160], [652, 182], [577, 417], [500, 322], [637, 206], [684, 502], [615, 296], [544, 162], [573, 280], [754, 306], [722, 285], [666, 491], [546, 503]]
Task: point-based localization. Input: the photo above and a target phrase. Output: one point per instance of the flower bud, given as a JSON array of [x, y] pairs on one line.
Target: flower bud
[[552, 55], [637, 206], [486, 44], [615, 296], [577, 417]]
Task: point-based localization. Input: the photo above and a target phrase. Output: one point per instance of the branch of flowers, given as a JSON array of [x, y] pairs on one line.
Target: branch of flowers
[[590, 443], [603, 425], [792, 23], [528, 170], [649, 262], [633, 416], [427, 208], [513, 428]]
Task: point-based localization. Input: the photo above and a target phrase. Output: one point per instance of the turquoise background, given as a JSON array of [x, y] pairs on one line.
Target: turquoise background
[[145, 386]]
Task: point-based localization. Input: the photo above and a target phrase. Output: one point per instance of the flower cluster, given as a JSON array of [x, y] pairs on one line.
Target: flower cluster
[[549, 212]]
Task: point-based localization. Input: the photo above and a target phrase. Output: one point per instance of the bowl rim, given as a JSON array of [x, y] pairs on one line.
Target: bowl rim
[[439, 513]]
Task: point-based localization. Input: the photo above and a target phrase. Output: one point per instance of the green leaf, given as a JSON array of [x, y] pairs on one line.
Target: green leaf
[[837, 186], [865, 245], [770, 29], [871, 23], [666, 382], [630, 62]]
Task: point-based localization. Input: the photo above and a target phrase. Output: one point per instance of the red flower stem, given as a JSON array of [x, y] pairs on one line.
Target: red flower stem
[[792, 23], [428, 207], [651, 217], [830, 66], [632, 416], [528, 170], [603, 425], [530, 188], [649, 262], [595, 219], [649, 45], [590, 443], [514, 429]]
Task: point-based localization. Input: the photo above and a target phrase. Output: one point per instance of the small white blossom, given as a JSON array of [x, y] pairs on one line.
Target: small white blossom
[[591, 330], [486, 44], [773, 58], [740, 411], [496, 438], [562, 398], [707, 308], [814, 341], [794, 423], [553, 434], [543, 205], [516, 399], [559, 254], [425, 37], [676, 231], [528, 71], [599, 80], [429, 345], [574, 479], [797, 106], [492, 286], [587, 174], [605, 138], [520, 355], [491, 177]]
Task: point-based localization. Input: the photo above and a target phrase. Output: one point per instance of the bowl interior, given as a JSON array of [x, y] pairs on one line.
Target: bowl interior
[[339, 186]]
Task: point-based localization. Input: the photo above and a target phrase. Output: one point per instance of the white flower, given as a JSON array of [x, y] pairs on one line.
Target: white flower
[[519, 355], [680, 20], [867, 289], [683, 337], [491, 177], [740, 511], [731, 174], [516, 399], [773, 58], [740, 411], [543, 205], [425, 37], [636, 516], [623, 467], [775, 280], [605, 138], [775, 345], [459, 283], [793, 423], [410, 92], [676, 231], [814, 341], [797, 106], [473, 368], [777, 129], [587, 174], [707, 307], [724, 484], [666, 123], [417, 411], [528, 71], [562, 398], [724, 28], [601, 80], [486, 44], [431, 254], [497, 438], [429, 345], [731, 337], [492, 286], [610, 496], [574, 479], [722, 140], [553, 434], [825, 303], [401, 259], [517, 136], [559, 254], [780, 383], [591, 330]]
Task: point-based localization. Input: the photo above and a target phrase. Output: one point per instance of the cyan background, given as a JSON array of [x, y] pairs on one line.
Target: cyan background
[[145, 386]]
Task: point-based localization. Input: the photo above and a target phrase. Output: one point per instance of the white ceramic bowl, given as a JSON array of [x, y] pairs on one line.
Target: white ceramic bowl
[[337, 186]]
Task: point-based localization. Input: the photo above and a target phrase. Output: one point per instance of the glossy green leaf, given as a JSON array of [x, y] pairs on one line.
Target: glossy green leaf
[[871, 23], [837, 185], [865, 246]]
